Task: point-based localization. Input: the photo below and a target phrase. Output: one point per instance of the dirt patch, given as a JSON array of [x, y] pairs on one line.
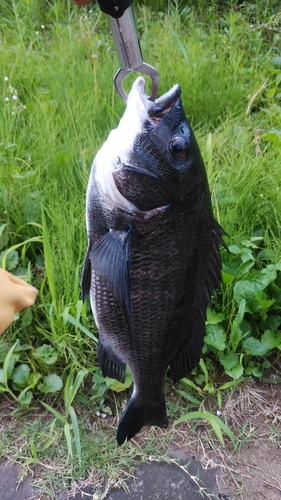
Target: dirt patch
[[198, 467], [259, 459], [254, 472]]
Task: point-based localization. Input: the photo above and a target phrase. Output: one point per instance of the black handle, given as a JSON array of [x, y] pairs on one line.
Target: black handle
[[115, 8]]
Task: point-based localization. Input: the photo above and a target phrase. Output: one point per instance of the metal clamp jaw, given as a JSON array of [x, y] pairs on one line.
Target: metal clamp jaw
[[123, 27]]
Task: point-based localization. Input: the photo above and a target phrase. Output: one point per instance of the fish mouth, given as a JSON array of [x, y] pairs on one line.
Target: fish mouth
[[164, 104], [139, 103]]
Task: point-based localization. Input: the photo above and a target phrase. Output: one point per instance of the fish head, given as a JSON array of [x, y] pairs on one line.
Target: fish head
[[151, 159]]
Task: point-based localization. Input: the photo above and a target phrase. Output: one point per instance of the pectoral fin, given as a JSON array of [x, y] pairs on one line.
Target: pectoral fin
[[110, 259]]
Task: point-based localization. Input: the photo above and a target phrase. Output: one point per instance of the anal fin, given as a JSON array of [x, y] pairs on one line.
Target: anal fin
[[110, 365]]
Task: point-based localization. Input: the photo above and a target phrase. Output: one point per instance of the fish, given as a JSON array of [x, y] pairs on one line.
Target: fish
[[153, 259]]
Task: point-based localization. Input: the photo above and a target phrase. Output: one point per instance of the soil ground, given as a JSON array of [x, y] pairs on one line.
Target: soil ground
[[253, 473]]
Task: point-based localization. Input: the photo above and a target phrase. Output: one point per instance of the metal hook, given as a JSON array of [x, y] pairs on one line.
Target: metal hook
[[144, 69], [128, 50]]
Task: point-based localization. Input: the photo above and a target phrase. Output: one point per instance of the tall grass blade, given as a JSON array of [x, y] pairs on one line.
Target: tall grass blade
[[48, 259], [58, 415], [67, 434], [35, 239], [72, 386], [74, 321], [75, 432], [7, 363], [188, 397], [215, 422], [186, 381]]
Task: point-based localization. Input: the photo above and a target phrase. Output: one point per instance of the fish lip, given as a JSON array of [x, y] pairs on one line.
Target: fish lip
[[164, 104], [155, 111], [166, 100]]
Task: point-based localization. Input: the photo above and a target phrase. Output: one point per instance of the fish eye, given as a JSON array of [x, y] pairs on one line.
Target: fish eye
[[178, 147]]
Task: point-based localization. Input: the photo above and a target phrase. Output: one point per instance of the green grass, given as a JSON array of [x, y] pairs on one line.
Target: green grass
[[59, 62]]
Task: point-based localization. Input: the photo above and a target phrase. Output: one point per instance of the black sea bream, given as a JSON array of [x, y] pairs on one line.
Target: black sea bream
[[153, 254]]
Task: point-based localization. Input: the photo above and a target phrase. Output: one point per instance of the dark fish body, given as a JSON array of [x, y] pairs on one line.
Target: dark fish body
[[153, 253]]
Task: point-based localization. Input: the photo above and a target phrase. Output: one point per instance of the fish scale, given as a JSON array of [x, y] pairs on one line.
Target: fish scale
[[153, 252]]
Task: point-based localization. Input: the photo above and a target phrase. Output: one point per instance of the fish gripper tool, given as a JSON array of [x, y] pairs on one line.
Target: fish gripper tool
[[123, 28]]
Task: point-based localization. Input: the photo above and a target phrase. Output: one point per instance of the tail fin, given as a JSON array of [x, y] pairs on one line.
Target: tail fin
[[137, 415]]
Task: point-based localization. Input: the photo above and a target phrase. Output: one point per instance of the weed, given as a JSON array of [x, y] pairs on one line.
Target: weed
[[69, 419], [16, 371]]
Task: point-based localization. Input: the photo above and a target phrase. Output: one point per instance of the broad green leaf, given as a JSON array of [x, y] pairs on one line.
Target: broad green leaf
[[32, 206], [26, 318], [248, 256], [228, 359], [20, 375], [254, 347], [244, 268], [272, 322], [234, 249], [266, 363], [257, 372], [236, 371], [269, 273], [264, 302], [276, 61], [9, 259], [46, 353], [233, 264], [25, 398], [2, 379], [99, 390], [246, 290], [251, 242], [267, 255], [271, 339], [215, 336], [214, 317], [227, 278], [116, 386], [273, 135], [51, 383]]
